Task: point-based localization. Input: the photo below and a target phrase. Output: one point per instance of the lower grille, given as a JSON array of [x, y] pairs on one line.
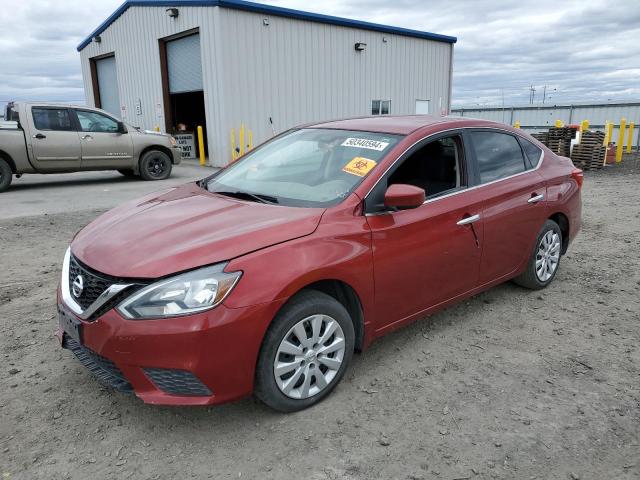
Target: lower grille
[[177, 382], [103, 368]]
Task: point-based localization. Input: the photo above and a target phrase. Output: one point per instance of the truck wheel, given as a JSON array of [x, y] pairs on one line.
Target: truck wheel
[[127, 173], [6, 175], [155, 165]]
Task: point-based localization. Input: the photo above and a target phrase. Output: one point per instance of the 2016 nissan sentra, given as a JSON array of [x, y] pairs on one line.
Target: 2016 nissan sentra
[[268, 275]]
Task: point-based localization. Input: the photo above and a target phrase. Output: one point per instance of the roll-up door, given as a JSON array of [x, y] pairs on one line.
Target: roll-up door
[[184, 64], [108, 85]]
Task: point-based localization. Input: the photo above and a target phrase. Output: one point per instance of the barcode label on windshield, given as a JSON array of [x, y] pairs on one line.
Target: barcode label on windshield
[[365, 143]]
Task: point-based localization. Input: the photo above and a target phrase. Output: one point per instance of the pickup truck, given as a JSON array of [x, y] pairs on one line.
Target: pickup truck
[[58, 138]]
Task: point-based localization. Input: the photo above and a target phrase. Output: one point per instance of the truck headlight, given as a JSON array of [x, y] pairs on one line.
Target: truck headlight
[[183, 294]]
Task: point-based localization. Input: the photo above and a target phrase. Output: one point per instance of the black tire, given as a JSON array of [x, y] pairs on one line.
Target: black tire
[[529, 278], [303, 305], [129, 173], [6, 175], [155, 165]]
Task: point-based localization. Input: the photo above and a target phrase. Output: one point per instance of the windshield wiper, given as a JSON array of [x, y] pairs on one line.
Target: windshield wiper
[[250, 196]]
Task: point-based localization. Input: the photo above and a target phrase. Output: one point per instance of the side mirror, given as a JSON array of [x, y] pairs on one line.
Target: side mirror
[[122, 128], [401, 195]]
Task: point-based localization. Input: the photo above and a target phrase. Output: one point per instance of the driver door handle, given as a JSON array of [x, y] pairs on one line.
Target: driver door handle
[[87, 137], [469, 220], [39, 136], [536, 198]]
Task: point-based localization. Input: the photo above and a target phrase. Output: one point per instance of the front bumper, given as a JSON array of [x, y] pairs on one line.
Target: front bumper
[[212, 354], [176, 155]]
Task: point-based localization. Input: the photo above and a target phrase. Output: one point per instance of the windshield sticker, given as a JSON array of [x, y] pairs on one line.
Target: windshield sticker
[[365, 143], [359, 166]]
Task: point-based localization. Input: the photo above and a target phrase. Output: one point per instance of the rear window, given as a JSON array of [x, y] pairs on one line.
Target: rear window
[[499, 155], [532, 152], [51, 118]]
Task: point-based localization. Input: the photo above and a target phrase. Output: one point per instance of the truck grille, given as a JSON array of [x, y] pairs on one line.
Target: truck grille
[[103, 368]]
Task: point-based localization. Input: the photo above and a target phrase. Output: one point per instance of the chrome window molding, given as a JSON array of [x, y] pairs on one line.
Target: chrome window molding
[[457, 192], [104, 297]]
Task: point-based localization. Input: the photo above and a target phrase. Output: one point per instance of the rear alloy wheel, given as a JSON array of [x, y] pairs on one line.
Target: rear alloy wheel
[[305, 352], [155, 165], [544, 262], [6, 175]]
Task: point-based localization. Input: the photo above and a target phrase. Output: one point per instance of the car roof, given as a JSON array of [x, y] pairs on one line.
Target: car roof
[[395, 124]]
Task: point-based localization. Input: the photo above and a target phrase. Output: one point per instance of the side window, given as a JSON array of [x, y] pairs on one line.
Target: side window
[[532, 152], [434, 167], [96, 122], [51, 119], [499, 155]]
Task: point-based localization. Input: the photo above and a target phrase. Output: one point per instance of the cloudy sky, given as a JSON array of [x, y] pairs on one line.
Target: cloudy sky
[[583, 51]]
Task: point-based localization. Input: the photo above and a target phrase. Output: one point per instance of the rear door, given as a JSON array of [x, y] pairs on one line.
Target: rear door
[[101, 144], [513, 196], [55, 144]]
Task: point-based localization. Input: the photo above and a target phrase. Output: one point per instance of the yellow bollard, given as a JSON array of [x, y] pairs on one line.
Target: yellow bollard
[[610, 132], [201, 147], [250, 141], [559, 123], [606, 133], [156, 128], [584, 125], [241, 139], [516, 125], [234, 153], [630, 137], [623, 124]]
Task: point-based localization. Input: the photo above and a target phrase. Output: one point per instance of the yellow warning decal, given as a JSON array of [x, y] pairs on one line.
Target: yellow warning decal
[[359, 166]]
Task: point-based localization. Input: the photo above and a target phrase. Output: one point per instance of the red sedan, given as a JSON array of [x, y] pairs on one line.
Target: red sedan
[[265, 277]]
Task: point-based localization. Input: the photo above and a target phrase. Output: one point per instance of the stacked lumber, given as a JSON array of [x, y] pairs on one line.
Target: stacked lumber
[[589, 153], [559, 140]]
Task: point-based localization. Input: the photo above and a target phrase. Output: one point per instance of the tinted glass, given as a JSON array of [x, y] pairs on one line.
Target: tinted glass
[[96, 122], [375, 107], [51, 119], [499, 155], [533, 153], [386, 104], [307, 168]]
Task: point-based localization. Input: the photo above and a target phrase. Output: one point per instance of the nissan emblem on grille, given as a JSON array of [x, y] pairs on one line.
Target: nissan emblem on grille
[[78, 286]]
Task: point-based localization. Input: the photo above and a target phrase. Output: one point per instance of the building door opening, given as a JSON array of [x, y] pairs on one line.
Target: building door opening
[[105, 84], [181, 66]]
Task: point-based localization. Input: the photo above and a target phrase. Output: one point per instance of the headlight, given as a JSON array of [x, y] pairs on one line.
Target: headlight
[[173, 141], [183, 294]]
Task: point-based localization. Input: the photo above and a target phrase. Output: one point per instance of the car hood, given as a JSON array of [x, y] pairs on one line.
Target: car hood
[[185, 228]]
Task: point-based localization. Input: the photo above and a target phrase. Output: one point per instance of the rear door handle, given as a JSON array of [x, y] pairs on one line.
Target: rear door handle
[[469, 220], [536, 198], [39, 136]]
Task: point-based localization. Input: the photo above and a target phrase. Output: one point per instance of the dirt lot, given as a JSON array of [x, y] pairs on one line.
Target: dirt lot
[[510, 384]]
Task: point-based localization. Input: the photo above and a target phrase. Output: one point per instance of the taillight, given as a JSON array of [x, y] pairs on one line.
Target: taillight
[[578, 176]]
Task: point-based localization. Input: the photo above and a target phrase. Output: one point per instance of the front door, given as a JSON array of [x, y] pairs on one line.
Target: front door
[[425, 256], [103, 146], [514, 206], [54, 140]]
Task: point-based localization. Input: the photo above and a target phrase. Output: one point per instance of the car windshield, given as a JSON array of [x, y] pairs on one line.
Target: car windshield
[[305, 168]]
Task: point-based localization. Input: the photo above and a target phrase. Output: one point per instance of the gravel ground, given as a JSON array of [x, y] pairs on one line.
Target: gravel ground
[[509, 384]]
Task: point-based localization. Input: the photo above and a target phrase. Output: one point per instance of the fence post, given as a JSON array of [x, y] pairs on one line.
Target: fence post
[[623, 124]]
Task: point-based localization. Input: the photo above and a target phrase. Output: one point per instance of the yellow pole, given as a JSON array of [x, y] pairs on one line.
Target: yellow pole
[[250, 141], [516, 125], [610, 132], [201, 146], [559, 123], [630, 137], [607, 133], [241, 139], [234, 153], [156, 128], [623, 124], [584, 125]]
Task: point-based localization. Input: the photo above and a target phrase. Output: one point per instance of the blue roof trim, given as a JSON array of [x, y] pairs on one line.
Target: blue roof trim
[[268, 10]]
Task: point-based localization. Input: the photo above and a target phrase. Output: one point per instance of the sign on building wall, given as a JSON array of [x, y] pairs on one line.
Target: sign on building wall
[[186, 142]]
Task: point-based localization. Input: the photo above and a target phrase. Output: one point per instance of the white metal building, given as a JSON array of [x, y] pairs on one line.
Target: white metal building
[[223, 63], [535, 118]]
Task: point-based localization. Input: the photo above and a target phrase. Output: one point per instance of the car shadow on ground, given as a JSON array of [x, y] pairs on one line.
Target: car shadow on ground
[[65, 183]]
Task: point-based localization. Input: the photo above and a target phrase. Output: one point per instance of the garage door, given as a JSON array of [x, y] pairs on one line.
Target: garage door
[[184, 64], [108, 85]]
